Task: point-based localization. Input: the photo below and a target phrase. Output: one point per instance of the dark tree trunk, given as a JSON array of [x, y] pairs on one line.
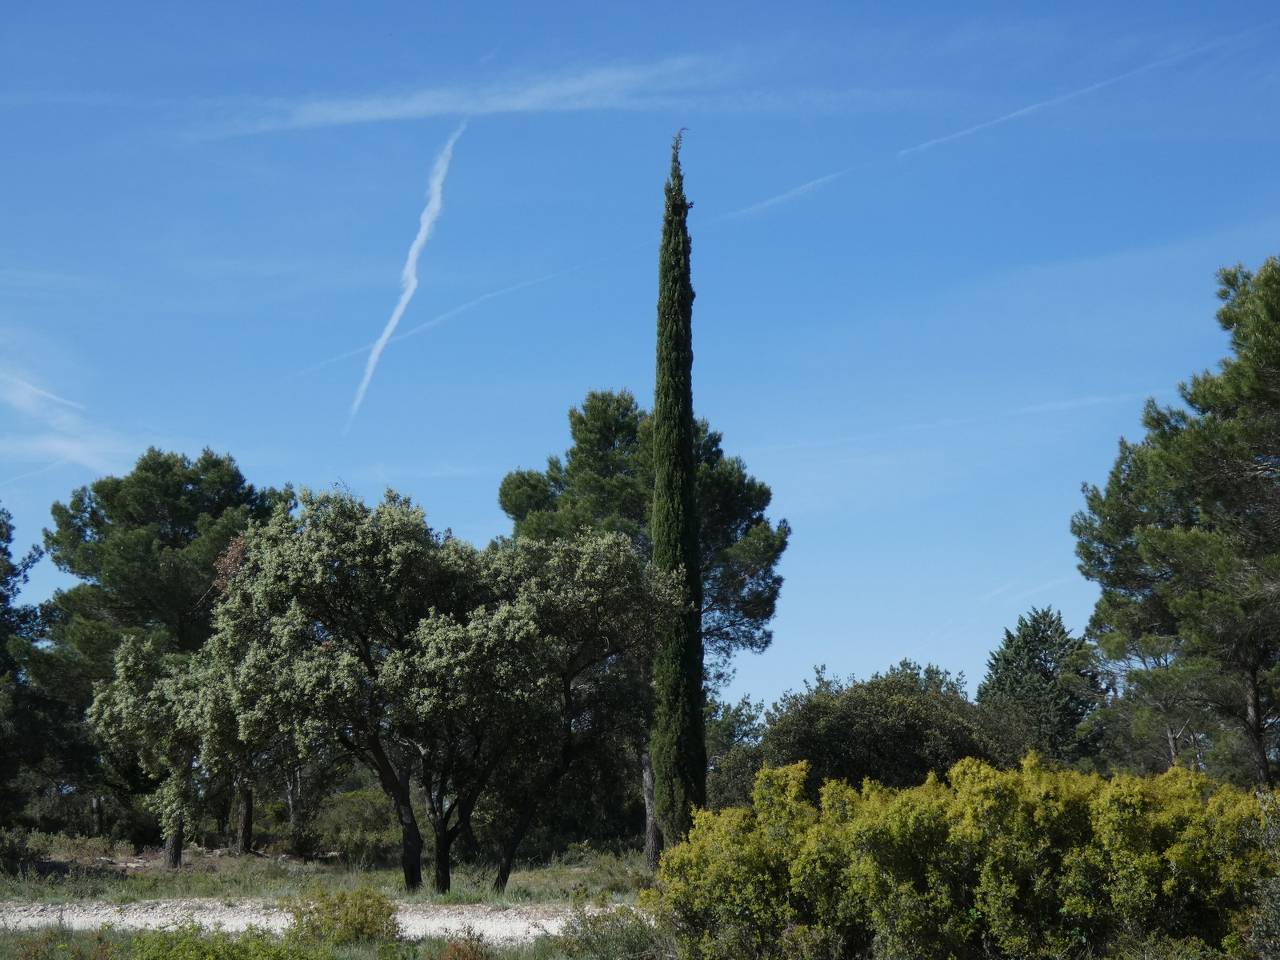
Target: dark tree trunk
[[444, 840], [467, 837], [1257, 734], [395, 784], [410, 844], [173, 846], [244, 842], [652, 833], [222, 818], [510, 846]]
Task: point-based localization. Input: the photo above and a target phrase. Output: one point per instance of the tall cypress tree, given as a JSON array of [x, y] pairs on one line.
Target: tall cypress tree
[[677, 748]]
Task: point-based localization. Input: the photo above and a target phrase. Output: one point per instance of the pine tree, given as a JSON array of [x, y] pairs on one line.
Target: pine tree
[[677, 748], [1042, 681]]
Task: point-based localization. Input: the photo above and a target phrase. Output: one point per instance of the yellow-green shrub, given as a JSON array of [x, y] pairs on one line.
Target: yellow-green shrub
[[1027, 863], [340, 917]]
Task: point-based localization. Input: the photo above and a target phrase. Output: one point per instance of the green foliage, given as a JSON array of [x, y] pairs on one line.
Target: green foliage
[[58, 944], [144, 547], [354, 825], [149, 708], [146, 543], [605, 482], [475, 672], [1044, 683], [677, 747], [733, 731], [622, 932], [1029, 863], [1183, 543], [30, 724], [895, 728], [341, 917], [192, 943], [21, 848]]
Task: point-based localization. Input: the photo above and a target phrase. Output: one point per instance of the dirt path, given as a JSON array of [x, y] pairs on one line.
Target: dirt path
[[496, 924]]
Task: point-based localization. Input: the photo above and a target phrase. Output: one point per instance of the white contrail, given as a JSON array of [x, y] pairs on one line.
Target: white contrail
[[438, 319], [1042, 104], [1021, 112], [409, 277]]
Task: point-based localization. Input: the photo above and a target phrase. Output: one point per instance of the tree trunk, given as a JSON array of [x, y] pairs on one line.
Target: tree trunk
[[444, 840], [173, 846], [467, 836], [95, 811], [652, 833], [222, 819], [510, 846], [1257, 734], [395, 784], [244, 843], [410, 844]]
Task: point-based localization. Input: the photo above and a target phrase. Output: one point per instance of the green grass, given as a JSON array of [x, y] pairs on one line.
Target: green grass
[[60, 944], [593, 877]]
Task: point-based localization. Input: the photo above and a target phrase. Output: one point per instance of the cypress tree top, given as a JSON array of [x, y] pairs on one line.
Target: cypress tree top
[[674, 525]]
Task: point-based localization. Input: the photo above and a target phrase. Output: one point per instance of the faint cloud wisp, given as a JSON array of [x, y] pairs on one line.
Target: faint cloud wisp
[[617, 87], [57, 432]]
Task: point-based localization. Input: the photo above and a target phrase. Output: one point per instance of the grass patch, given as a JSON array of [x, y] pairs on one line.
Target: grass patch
[[191, 944], [585, 876]]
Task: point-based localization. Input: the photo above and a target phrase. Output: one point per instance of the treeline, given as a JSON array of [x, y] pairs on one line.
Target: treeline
[[245, 666]]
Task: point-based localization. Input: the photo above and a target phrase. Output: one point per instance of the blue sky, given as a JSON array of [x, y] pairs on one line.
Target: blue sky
[[941, 256]]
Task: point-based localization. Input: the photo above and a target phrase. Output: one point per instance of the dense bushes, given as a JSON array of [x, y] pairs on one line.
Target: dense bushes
[[1029, 863], [895, 727], [341, 917]]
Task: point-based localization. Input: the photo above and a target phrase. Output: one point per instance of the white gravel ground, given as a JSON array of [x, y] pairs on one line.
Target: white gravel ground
[[496, 924]]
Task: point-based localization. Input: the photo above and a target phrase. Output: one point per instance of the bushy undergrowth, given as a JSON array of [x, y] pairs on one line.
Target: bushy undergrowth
[[187, 943], [1034, 863], [23, 847], [354, 826], [622, 932], [191, 943], [340, 917]]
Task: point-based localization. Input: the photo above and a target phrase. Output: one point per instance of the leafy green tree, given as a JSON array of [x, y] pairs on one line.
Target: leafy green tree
[[318, 625], [677, 749], [596, 609], [144, 546], [475, 674], [734, 731], [146, 543], [1184, 540], [150, 708], [605, 482], [895, 728], [20, 740], [1153, 719], [1042, 681]]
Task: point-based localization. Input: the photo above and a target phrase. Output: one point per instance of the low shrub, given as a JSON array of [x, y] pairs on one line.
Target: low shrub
[[61, 944], [1033, 863], [192, 943], [614, 934], [21, 848], [469, 946], [354, 825], [341, 917]]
